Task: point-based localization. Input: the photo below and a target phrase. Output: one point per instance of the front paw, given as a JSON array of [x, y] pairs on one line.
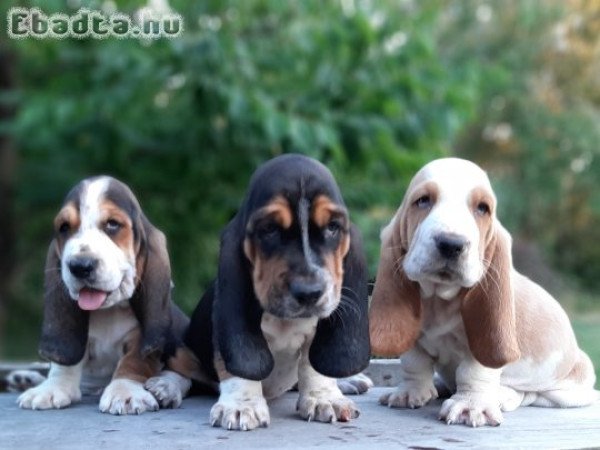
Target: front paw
[[355, 385], [245, 415], [324, 408], [51, 394], [124, 396], [168, 388], [21, 380], [409, 396], [471, 410]]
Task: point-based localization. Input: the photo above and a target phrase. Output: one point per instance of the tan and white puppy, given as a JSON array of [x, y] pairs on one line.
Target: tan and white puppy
[[449, 300], [107, 302]]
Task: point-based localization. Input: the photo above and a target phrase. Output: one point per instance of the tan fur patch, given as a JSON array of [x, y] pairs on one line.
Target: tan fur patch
[[124, 237], [249, 250], [279, 210], [132, 366], [266, 274], [488, 309], [484, 222], [222, 372], [185, 363], [322, 210], [67, 215], [411, 215], [395, 311], [334, 262]]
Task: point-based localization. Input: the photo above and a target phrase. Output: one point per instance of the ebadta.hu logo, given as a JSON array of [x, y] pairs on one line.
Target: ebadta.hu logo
[[33, 22]]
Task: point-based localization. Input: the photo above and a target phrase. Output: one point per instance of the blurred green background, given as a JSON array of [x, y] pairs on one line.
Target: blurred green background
[[374, 89]]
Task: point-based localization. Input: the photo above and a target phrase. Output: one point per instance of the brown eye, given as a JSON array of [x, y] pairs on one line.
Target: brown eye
[[112, 227], [333, 228], [483, 209], [268, 230], [423, 202], [64, 228]]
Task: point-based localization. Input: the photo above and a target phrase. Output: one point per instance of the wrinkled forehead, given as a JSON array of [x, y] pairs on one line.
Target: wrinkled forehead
[[453, 177]]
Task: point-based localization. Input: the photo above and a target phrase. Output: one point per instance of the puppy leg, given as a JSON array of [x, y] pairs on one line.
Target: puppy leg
[[320, 397], [126, 394], [168, 388], [241, 405], [173, 384], [21, 380], [60, 389], [477, 400], [355, 385], [576, 390], [416, 388]]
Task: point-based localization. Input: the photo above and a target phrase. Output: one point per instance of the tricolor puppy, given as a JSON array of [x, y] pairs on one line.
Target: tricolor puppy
[[107, 303], [289, 304], [448, 299]]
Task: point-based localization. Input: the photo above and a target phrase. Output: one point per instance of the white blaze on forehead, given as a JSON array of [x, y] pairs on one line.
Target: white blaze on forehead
[[91, 197]]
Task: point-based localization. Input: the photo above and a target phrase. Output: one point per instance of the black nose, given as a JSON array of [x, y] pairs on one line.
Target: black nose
[[82, 267], [450, 246], [306, 292]]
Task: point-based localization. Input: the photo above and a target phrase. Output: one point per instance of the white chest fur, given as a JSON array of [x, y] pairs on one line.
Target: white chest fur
[[107, 331], [287, 340], [443, 335]]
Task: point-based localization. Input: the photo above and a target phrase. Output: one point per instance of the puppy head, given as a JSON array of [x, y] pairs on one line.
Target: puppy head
[[445, 225], [291, 251], [445, 241], [105, 252], [296, 240], [97, 235]]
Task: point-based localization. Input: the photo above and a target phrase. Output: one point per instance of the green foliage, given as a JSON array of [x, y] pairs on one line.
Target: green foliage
[[372, 89], [537, 123], [588, 337], [185, 122]]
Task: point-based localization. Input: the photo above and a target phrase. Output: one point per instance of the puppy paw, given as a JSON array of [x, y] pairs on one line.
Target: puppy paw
[[244, 415], [168, 389], [409, 396], [124, 396], [355, 385], [324, 408], [471, 410], [51, 394], [21, 380]]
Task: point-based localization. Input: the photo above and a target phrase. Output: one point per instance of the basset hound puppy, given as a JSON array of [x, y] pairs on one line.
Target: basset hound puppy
[[289, 304], [449, 300], [108, 313]]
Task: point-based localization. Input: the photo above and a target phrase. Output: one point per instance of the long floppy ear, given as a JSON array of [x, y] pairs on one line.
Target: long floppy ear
[[341, 347], [395, 312], [488, 309], [65, 325], [151, 301], [237, 313]]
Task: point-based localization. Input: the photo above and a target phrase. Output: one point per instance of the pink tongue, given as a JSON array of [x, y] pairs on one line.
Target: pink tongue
[[91, 299]]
